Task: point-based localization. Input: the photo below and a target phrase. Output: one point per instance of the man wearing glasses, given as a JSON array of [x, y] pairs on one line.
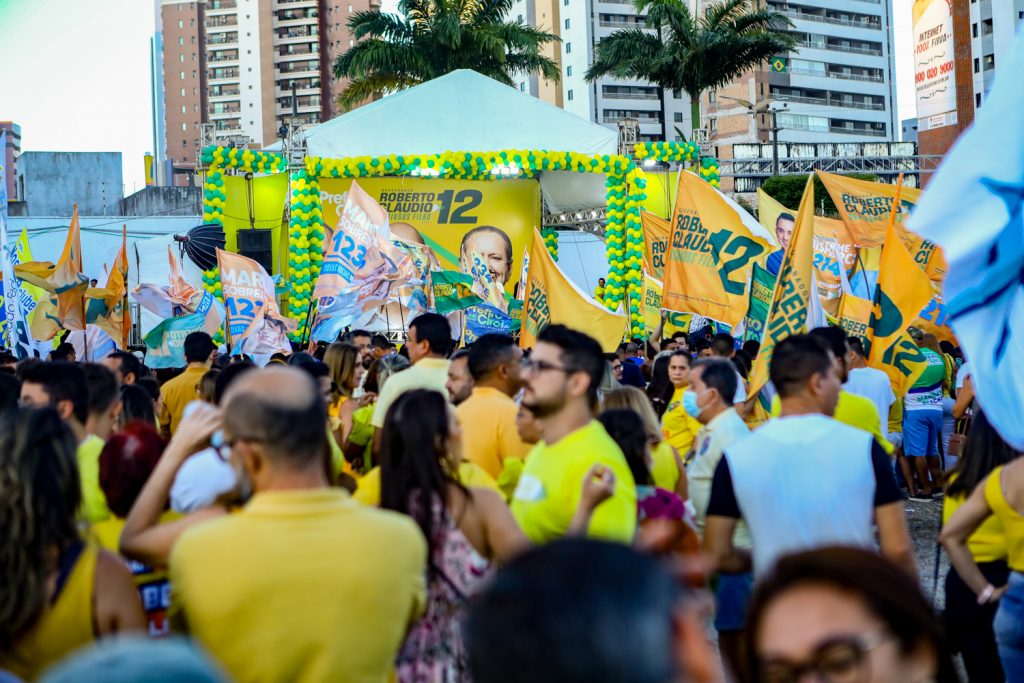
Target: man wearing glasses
[[560, 382]]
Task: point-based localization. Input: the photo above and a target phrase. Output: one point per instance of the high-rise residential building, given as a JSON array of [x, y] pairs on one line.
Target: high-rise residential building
[[10, 157], [235, 64], [837, 85], [581, 24], [993, 26]]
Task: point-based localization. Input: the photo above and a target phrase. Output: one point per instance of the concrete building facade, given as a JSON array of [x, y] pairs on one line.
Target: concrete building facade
[[232, 64], [50, 183], [10, 157], [993, 26], [581, 24]]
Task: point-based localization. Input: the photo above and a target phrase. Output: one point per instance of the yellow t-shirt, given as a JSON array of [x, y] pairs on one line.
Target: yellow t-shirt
[[489, 434], [154, 589], [896, 417], [64, 626], [427, 373], [176, 394], [664, 468], [679, 428], [1011, 521], [470, 474], [94, 503], [551, 485], [988, 542], [302, 585], [855, 411]]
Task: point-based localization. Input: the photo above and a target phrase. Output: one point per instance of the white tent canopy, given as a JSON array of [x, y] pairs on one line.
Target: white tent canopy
[[467, 111]]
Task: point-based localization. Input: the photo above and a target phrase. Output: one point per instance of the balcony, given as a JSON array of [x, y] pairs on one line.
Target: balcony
[[828, 101], [282, 16], [644, 120], [867, 78], [223, 39], [619, 23], [214, 5], [823, 19], [232, 112], [223, 57], [857, 131], [306, 32], [230, 125], [222, 74], [224, 92], [822, 101], [294, 3], [297, 50], [629, 96], [854, 104], [298, 67], [219, 21]]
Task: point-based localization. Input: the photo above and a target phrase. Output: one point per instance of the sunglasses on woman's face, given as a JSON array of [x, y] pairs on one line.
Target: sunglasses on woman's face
[[841, 659]]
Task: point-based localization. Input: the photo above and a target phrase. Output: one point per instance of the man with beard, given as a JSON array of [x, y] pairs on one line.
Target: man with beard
[[560, 381]]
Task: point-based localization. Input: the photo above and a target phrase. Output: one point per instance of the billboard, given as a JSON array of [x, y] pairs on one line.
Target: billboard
[[934, 67], [454, 218]]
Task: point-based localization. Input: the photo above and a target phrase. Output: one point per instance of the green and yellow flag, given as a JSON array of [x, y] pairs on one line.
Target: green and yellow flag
[[65, 279], [551, 298], [452, 290]]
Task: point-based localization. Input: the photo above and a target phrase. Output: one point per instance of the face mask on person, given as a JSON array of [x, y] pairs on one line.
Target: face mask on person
[[690, 403]]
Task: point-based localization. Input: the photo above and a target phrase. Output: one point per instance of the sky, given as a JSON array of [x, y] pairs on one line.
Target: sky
[[81, 83]]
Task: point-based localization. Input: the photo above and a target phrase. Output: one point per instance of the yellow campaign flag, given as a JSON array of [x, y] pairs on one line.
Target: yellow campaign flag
[[713, 248], [791, 302], [551, 298], [656, 235], [865, 208], [855, 318], [934, 319], [903, 291], [653, 311], [65, 279], [106, 307]]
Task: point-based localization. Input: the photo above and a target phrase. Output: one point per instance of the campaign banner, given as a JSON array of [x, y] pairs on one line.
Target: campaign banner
[[653, 311], [552, 298], [254, 321], [177, 297], [657, 232], [65, 279], [453, 291], [934, 65], [855, 318], [16, 333], [903, 291], [165, 343], [794, 290], [486, 319], [453, 218], [106, 307], [935, 319], [762, 285], [713, 246]]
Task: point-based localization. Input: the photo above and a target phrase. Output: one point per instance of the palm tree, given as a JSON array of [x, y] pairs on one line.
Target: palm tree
[[435, 37], [693, 54]]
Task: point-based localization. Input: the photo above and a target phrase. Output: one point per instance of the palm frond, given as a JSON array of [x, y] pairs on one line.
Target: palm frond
[[379, 25], [627, 53], [369, 87]]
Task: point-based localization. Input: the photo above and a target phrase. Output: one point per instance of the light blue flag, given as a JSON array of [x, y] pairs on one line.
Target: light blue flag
[[165, 343], [974, 208]]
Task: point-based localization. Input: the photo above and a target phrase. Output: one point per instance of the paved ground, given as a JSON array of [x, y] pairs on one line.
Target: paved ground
[[924, 520]]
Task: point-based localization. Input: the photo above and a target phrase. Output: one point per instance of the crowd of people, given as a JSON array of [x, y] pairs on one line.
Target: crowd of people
[[363, 512]]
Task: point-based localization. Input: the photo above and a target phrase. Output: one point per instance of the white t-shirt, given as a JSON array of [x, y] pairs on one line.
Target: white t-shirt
[[963, 373], [873, 385], [199, 481]]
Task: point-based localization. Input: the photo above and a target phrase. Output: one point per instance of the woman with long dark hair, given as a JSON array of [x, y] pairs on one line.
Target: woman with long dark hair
[[844, 614], [999, 494], [57, 593], [970, 624], [465, 528], [659, 391]]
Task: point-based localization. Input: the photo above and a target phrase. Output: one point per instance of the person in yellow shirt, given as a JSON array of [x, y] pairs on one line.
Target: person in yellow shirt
[[177, 393], [667, 469], [599, 290], [64, 386], [560, 381], [679, 428], [488, 417], [303, 584]]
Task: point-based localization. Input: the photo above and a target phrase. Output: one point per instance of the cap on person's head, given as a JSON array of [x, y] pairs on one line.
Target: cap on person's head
[[576, 611], [198, 347], [916, 334]]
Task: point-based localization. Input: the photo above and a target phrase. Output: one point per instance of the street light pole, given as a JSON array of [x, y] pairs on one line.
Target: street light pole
[[775, 141]]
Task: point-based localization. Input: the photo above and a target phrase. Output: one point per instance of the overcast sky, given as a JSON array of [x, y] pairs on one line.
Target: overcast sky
[[76, 75]]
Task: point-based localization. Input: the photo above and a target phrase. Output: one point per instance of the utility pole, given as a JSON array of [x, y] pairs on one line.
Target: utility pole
[[775, 140]]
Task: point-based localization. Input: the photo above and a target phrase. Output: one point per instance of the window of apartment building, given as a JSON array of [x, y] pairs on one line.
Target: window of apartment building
[[569, 96], [712, 96], [568, 70], [182, 75], [988, 62], [977, 65], [568, 48], [183, 109], [677, 94], [184, 143], [977, 100], [181, 23], [182, 92], [181, 58], [181, 40], [677, 117], [184, 126], [974, 30], [567, 23], [565, 2], [714, 125], [519, 18]]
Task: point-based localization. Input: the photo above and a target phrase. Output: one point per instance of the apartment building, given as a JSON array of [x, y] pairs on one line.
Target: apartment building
[[581, 24], [234, 64], [837, 85], [994, 24]]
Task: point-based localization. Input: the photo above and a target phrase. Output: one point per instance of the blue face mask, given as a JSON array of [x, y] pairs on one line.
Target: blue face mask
[[690, 403]]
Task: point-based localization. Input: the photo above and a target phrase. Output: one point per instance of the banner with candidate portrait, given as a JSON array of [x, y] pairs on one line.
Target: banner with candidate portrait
[[713, 247], [254, 321], [453, 218]]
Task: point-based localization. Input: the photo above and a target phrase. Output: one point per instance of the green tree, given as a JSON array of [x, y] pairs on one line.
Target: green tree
[[789, 189], [433, 37], [689, 53]]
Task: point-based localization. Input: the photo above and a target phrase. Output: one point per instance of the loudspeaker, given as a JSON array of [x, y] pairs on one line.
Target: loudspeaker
[[255, 244]]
